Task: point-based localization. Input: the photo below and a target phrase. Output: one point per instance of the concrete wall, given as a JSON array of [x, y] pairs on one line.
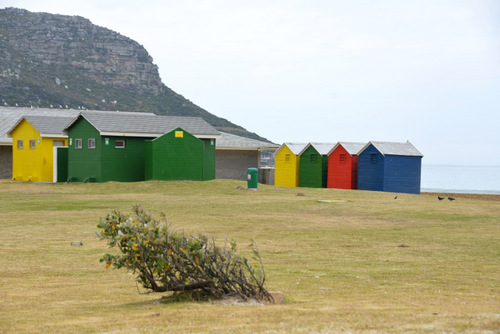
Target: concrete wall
[[5, 162], [266, 175], [233, 164]]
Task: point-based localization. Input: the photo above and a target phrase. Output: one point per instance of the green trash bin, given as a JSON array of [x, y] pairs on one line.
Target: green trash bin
[[252, 178]]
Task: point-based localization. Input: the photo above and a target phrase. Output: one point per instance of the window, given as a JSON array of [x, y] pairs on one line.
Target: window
[[373, 158], [91, 143], [78, 143], [342, 157], [287, 157], [314, 158], [120, 143], [19, 144], [32, 144]]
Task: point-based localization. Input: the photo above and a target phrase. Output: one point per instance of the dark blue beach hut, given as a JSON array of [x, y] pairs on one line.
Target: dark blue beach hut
[[389, 166]]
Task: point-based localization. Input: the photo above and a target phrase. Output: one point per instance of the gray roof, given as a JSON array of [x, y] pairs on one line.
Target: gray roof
[[351, 147], [233, 142], [394, 148], [47, 126], [10, 116], [321, 148], [296, 148], [146, 125]]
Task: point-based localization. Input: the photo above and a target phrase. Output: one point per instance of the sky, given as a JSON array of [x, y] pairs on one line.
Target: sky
[[427, 71]]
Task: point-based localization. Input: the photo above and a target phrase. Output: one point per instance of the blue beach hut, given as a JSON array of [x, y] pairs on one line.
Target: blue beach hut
[[389, 166]]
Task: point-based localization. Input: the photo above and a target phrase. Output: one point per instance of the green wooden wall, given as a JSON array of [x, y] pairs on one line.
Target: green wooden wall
[[62, 164], [178, 155], [105, 162], [209, 159], [83, 163], [123, 164], [313, 169]]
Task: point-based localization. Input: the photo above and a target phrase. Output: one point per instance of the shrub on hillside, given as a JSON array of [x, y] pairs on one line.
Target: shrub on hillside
[[167, 260]]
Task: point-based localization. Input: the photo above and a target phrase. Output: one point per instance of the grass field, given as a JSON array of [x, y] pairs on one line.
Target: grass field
[[339, 263]]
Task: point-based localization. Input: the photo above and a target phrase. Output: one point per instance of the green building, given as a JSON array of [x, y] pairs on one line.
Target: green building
[[110, 146], [314, 165], [179, 155]]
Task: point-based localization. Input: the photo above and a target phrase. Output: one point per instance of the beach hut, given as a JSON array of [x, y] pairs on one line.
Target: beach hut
[[343, 165], [389, 166], [314, 165], [178, 155], [36, 139], [110, 146], [10, 116], [287, 162]]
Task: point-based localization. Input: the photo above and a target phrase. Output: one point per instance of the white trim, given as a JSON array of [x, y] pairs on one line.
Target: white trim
[[149, 135], [207, 136], [51, 135], [54, 163], [229, 148]]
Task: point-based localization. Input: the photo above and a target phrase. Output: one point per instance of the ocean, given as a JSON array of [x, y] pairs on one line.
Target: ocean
[[460, 179]]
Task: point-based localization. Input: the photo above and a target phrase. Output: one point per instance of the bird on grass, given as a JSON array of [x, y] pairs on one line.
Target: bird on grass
[[451, 198], [440, 198], [396, 197]]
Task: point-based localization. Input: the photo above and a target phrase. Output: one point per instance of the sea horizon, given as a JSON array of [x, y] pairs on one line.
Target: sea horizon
[[453, 178]]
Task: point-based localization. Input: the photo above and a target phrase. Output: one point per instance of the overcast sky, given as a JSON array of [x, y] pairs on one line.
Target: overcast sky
[[427, 71]]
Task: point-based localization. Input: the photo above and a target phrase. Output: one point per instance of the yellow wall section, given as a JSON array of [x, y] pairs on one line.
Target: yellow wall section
[[286, 172], [32, 164]]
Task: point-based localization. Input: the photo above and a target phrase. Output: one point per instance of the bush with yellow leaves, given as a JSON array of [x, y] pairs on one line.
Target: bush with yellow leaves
[[166, 260]]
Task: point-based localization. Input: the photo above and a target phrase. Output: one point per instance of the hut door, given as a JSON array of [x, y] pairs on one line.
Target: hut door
[[56, 159]]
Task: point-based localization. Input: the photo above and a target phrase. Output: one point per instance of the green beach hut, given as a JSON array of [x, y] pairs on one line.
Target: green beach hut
[[314, 165], [179, 155], [110, 146]]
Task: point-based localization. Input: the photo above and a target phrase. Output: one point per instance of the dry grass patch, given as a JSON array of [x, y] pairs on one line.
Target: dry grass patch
[[338, 263]]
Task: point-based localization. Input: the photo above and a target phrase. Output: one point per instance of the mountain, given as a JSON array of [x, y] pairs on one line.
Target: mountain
[[60, 61]]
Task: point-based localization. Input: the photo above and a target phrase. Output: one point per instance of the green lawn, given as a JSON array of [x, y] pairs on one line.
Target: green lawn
[[337, 262]]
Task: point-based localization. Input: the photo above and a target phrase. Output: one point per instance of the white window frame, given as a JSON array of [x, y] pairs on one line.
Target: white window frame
[[91, 143], [20, 144], [117, 145], [32, 144], [78, 143]]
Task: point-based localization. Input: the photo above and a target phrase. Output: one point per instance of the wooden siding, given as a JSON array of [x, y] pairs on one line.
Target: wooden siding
[[84, 163], [342, 174], [402, 174], [32, 164], [371, 170], [390, 173], [62, 164], [286, 169], [313, 169], [105, 162], [123, 164], [208, 159], [180, 157]]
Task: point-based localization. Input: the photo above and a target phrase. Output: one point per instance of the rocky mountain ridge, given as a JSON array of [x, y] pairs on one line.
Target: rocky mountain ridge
[[49, 60]]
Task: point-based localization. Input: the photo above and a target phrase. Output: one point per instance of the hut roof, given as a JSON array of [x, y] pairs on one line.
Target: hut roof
[[394, 148], [146, 125], [321, 148], [351, 147], [10, 116], [47, 126], [296, 148], [228, 141]]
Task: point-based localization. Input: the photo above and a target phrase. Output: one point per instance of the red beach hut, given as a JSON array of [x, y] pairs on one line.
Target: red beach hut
[[343, 165]]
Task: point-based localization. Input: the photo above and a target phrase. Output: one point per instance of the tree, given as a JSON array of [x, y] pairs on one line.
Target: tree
[[167, 260]]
